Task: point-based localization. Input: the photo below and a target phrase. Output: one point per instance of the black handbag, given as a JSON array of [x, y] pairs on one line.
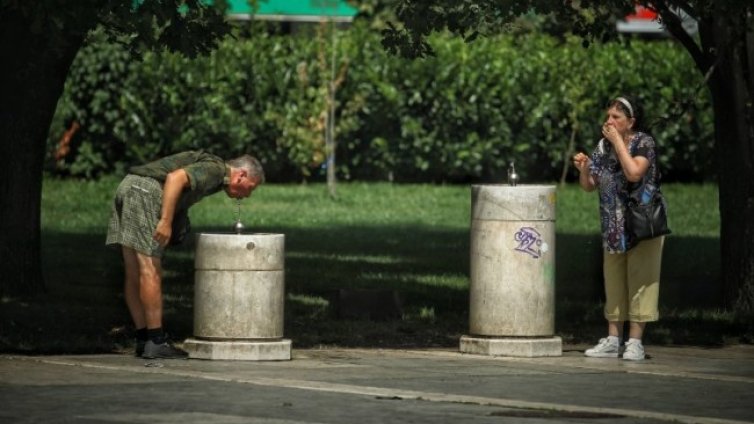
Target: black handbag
[[646, 214]]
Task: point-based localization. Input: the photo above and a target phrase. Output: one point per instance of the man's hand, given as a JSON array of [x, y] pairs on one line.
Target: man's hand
[[163, 232]]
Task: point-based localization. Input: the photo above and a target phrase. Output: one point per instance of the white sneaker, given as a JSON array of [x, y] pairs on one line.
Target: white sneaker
[[606, 348], [634, 350]]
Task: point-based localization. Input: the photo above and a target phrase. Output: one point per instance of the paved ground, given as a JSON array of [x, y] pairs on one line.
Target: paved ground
[[681, 385]]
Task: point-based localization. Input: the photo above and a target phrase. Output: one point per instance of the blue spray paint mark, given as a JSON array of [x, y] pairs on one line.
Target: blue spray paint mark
[[529, 241]]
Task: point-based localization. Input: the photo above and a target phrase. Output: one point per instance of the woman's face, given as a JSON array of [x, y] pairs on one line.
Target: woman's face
[[618, 119]]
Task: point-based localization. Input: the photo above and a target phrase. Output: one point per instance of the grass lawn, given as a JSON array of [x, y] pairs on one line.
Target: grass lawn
[[413, 239]]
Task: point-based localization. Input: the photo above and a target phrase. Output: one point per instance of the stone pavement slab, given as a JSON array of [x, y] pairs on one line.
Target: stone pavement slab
[[677, 384]]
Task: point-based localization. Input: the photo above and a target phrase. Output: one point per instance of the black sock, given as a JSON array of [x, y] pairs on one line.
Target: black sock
[[141, 334], [156, 335]]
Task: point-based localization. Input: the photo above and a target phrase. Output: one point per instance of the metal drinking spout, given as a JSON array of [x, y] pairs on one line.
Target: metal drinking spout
[[238, 227], [512, 176]]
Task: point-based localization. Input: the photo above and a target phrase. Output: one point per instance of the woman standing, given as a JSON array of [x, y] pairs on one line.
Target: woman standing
[[623, 158]]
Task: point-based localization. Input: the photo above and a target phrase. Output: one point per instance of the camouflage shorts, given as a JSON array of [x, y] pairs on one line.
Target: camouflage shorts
[[135, 213]]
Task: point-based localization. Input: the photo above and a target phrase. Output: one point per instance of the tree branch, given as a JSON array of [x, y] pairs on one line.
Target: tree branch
[[673, 24], [686, 7]]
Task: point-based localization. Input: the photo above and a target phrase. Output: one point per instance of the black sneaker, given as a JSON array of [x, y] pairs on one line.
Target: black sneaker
[[165, 350], [139, 348]]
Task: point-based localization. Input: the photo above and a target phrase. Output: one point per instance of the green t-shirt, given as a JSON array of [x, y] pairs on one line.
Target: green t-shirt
[[206, 172]]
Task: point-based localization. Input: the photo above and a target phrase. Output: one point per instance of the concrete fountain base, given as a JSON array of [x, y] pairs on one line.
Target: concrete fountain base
[[525, 347], [236, 350]]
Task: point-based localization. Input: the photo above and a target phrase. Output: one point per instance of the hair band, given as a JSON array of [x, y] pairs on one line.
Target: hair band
[[625, 103]]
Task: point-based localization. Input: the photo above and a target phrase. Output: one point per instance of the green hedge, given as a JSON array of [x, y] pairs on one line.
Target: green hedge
[[459, 116]]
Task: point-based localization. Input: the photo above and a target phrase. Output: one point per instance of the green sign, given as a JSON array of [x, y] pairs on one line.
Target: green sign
[[295, 10]]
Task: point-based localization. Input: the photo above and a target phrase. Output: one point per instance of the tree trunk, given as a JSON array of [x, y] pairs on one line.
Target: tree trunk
[[330, 145], [34, 70], [732, 89]]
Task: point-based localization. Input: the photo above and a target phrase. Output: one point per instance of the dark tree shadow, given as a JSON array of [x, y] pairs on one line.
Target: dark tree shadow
[[83, 309]]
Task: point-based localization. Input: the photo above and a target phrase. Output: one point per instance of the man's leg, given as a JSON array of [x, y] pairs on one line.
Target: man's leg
[[150, 285], [150, 289], [131, 288]]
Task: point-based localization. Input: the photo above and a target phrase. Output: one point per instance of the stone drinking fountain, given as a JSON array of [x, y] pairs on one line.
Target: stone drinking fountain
[[512, 285], [239, 296]]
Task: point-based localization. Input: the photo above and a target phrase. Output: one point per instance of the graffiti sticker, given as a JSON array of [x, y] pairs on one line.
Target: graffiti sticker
[[530, 242]]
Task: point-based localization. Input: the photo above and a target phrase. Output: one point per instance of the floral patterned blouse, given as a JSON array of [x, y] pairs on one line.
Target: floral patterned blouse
[[614, 187]]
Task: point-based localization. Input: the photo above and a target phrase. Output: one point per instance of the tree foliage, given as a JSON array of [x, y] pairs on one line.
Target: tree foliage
[[186, 26], [589, 19], [460, 115]]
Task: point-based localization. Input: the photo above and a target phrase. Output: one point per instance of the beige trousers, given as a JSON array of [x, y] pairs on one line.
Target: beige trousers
[[632, 282]]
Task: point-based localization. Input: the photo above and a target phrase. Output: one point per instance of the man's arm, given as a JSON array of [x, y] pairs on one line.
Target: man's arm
[[175, 182]]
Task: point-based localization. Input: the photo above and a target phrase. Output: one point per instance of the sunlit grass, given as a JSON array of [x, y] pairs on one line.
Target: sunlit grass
[[692, 210], [356, 204], [83, 206]]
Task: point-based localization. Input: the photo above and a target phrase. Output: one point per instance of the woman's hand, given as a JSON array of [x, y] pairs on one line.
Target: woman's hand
[[581, 162], [611, 134]]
